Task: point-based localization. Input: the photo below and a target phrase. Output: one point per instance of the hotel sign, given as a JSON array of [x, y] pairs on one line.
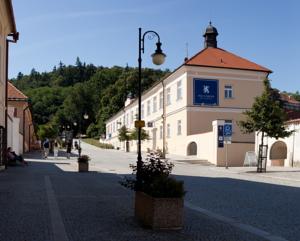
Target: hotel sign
[[206, 92]]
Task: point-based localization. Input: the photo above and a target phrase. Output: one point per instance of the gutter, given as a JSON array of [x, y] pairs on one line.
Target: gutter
[[15, 37], [27, 107]]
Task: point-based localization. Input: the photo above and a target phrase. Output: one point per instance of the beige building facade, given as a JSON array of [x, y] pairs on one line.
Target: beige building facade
[[190, 107], [7, 28]]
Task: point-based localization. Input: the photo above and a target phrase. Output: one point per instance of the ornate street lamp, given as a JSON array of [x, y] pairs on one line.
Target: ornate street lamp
[[158, 58]]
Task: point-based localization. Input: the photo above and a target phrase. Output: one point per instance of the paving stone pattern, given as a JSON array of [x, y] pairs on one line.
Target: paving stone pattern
[[93, 207]]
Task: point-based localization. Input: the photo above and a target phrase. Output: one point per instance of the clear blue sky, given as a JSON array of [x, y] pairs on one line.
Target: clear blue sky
[[106, 33]]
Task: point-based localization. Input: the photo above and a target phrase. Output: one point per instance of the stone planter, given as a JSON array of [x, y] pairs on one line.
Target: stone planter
[[159, 213], [83, 166]]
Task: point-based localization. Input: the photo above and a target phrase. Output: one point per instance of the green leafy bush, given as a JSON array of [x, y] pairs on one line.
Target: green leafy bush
[[155, 179], [83, 158]]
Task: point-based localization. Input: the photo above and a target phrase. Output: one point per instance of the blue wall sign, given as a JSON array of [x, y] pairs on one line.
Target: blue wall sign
[[221, 136], [228, 130], [206, 92]]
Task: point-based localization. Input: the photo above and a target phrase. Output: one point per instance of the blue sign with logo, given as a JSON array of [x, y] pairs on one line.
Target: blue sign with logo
[[206, 92], [228, 130]]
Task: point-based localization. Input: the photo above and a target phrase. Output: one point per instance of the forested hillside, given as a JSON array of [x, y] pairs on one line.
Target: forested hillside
[[61, 97]]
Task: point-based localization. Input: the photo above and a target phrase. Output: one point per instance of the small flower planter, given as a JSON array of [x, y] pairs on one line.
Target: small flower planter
[[83, 163], [83, 166], [159, 213]]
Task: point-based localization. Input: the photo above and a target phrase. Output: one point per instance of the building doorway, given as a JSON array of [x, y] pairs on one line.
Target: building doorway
[[278, 153], [192, 149]]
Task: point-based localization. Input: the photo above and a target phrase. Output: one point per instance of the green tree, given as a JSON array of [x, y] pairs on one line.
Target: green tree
[[92, 131], [124, 135], [266, 117], [47, 131], [134, 134]]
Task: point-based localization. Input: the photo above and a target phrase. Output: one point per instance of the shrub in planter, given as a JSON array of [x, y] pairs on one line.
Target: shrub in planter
[[83, 163], [159, 200]]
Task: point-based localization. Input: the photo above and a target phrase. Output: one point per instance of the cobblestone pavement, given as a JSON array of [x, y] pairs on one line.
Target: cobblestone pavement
[[50, 201], [268, 201]]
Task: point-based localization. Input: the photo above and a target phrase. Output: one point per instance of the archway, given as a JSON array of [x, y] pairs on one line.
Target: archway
[[278, 153], [192, 149]]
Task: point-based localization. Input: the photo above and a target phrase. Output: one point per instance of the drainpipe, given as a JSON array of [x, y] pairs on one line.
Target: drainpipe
[[29, 135], [27, 107], [15, 38]]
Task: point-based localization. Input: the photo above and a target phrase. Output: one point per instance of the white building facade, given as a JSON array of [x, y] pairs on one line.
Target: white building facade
[[190, 107]]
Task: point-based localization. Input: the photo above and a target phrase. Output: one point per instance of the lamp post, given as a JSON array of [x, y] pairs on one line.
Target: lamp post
[[85, 117], [158, 58]]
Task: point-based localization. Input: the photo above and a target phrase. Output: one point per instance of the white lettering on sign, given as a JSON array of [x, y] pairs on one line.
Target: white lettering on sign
[[206, 89]]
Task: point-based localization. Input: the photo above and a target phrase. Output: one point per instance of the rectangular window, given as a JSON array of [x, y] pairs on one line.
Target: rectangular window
[[228, 92], [161, 100], [142, 111], [160, 132], [148, 107], [168, 131], [179, 90], [131, 117], [127, 119], [136, 113], [179, 127], [154, 104], [169, 96]]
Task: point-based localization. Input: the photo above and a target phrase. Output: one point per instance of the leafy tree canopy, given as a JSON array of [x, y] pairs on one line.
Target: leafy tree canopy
[[64, 95]]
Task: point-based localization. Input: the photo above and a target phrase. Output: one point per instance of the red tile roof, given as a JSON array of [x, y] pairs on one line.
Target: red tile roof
[[13, 93], [220, 58]]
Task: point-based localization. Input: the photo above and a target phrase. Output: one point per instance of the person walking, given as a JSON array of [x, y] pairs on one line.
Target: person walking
[[69, 148], [46, 146]]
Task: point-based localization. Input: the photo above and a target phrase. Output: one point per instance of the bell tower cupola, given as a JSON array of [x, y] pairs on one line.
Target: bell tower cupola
[[210, 36]]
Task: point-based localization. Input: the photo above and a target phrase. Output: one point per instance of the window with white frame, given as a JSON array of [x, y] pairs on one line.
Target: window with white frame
[[142, 111], [161, 100], [228, 92], [148, 107], [127, 119], [154, 104], [160, 132], [168, 131], [136, 113], [179, 90], [179, 127], [168, 96]]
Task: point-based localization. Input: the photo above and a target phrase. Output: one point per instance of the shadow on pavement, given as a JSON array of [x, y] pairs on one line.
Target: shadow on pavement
[[94, 206]]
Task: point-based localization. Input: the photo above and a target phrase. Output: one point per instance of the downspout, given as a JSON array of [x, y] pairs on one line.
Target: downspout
[[29, 135], [27, 107], [15, 38]]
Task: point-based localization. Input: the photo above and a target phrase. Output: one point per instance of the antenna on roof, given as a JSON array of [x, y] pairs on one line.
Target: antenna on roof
[[187, 51]]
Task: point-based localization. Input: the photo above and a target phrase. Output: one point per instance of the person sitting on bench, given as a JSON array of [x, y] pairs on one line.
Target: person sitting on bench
[[13, 158]]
